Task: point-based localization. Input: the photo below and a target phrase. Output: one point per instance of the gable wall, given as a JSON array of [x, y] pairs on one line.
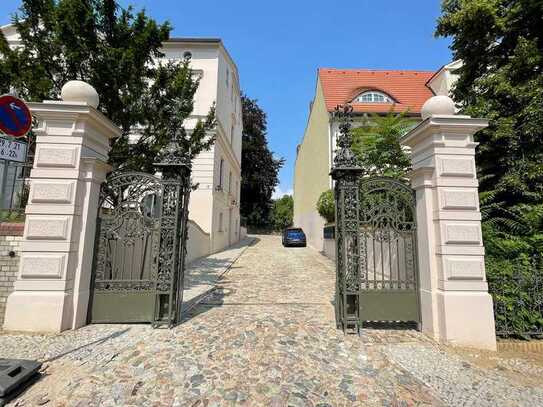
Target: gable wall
[[311, 173]]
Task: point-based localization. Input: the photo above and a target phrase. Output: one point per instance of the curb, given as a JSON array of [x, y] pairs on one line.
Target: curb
[[528, 346]]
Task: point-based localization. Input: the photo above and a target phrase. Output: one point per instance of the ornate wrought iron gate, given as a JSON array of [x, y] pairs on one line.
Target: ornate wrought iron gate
[[141, 246], [376, 260]]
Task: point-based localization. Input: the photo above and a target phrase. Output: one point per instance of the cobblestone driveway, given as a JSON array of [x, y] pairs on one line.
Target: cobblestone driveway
[[266, 336]]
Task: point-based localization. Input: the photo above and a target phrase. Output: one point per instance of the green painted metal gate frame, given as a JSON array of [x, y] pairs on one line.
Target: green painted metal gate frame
[[140, 246], [376, 245]]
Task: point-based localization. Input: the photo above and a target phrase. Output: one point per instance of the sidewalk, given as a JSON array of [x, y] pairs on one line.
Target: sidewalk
[[201, 275]]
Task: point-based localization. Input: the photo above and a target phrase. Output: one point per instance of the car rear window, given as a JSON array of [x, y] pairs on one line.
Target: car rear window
[[295, 233]]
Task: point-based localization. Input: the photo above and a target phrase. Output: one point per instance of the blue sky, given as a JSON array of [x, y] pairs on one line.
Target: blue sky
[[278, 46]]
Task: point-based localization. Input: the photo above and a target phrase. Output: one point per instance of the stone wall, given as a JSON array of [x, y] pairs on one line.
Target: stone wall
[[329, 248], [198, 243], [11, 234], [329, 241]]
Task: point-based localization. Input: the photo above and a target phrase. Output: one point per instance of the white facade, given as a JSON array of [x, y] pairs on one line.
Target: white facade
[[214, 205], [11, 35], [444, 79]]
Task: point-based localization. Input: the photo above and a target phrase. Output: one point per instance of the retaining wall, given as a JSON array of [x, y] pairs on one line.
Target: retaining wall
[[11, 235]]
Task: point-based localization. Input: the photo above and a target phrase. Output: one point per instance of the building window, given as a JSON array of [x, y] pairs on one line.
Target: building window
[[373, 96], [231, 133], [230, 182], [227, 77], [221, 171], [221, 222]]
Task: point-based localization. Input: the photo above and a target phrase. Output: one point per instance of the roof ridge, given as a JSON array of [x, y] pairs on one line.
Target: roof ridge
[[374, 70], [407, 87]]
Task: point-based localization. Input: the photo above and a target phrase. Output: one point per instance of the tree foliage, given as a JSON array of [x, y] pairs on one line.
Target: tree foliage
[[326, 206], [501, 45], [115, 50], [259, 169], [169, 101], [282, 212], [376, 143]]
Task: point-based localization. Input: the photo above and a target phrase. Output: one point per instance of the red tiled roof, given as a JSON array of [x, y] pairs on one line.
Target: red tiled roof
[[407, 88]]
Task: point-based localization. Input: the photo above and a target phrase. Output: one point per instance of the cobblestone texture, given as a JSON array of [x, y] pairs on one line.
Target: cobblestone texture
[[265, 337], [461, 383]]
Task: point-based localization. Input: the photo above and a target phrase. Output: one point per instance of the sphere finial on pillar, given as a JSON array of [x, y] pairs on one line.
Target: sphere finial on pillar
[[79, 91], [437, 105]]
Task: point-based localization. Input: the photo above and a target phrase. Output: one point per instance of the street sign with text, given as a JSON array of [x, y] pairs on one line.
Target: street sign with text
[[12, 150]]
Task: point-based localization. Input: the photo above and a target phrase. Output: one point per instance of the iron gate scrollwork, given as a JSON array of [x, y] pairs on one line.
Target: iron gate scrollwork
[[140, 247], [376, 256]]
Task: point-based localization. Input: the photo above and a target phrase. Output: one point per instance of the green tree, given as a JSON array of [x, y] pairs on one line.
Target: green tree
[[501, 45], [326, 206], [376, 143], [282, 212], [115, 50], [259, 169], [169, 101]]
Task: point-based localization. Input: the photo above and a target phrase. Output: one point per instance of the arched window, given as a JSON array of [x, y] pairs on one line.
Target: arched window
[[373, 96]]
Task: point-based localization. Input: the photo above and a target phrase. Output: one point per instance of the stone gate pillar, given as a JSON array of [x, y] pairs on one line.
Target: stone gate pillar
[[455, 304], [72, 145]]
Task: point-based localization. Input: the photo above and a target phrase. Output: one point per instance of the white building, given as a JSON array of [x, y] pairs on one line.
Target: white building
[[445, 78], [214, 205]]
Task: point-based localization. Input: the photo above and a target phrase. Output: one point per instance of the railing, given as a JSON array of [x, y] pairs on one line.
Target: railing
[[518, 304], [14, 188]]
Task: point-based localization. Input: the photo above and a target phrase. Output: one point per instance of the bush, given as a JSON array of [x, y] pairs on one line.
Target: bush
[[282, 212], [514, 269], [515, 285], [326, 206]]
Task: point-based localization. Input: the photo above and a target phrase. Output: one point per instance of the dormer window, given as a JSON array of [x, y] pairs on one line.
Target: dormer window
[[373, 96]]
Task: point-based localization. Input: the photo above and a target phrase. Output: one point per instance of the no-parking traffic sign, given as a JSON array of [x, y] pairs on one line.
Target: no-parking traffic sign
[[15, 118]]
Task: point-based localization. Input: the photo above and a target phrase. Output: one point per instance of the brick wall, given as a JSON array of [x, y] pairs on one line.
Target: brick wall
[[11, 235]]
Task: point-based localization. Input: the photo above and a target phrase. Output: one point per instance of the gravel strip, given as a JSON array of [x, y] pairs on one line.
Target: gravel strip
[[459, 383]]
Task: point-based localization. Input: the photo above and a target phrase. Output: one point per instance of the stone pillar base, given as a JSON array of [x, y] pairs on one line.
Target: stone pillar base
[[428, 313], [38, 311], [466, 319], [81, 305]]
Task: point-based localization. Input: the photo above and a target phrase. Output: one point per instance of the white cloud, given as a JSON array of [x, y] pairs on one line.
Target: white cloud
[[279, 192]]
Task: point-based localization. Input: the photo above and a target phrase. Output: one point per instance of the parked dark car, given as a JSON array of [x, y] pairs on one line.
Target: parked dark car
[[294, 237]]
